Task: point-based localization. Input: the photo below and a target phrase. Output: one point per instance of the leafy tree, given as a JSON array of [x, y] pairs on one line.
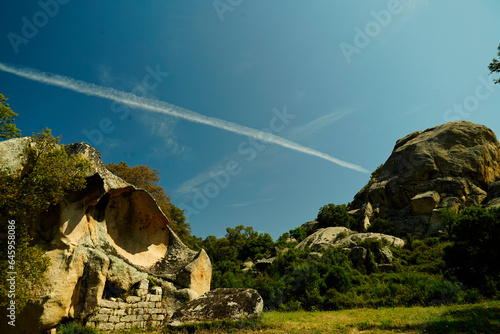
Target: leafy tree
[[298, 233], [249, 243], [334, 215], [46, 177], [380, 225], [7, 128], [494, 66], [146, 178], [473, 255]]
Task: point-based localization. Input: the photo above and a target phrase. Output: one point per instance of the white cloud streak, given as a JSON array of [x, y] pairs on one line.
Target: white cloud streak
[[157, 106]]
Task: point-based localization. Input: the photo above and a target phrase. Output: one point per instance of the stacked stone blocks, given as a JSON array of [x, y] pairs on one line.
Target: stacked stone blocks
[[146, 309]]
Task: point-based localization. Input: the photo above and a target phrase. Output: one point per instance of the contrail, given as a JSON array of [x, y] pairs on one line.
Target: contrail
[[166, 108]]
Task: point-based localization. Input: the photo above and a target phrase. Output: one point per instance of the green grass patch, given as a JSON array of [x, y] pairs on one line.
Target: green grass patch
[[218, 326], [483, 317]]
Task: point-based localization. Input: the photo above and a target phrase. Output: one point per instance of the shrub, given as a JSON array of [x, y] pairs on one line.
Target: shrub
[[475, 234], [380, 225], [298, 233], [334, 215]]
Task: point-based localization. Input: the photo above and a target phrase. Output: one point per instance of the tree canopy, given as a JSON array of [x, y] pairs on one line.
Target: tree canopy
[[334, 215], [7, 128], [494, 66]]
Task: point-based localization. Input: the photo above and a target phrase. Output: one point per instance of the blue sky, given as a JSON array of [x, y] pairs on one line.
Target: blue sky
[[346, 79]]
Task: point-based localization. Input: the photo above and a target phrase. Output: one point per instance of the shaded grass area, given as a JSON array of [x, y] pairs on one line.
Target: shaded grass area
[[471, 318]]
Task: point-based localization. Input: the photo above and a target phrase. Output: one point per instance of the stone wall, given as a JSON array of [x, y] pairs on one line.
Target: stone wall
[[145, 309]]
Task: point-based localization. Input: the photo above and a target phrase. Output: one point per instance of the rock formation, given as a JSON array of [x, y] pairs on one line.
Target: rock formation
[[350, 241], [102, 241], [219, 304], [444, 167]]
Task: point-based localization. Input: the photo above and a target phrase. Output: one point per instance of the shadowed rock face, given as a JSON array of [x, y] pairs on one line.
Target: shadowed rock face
[[441, 167], [109, 233]]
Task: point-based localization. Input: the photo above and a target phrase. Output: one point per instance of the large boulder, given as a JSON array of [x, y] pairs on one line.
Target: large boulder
[[355, 239], [329, 237], [219, 304], [110, 234], [456, 161], [324, 237]]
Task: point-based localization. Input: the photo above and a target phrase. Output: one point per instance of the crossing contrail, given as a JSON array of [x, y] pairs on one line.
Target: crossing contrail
[[157, 106]]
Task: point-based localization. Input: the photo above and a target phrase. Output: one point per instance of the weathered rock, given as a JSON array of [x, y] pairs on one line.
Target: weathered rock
[[450, 203], [262, 264], [455, 160], [108, 234], [354, 239], [323, 238], [122, 275], [386, 254], [494, 203], [247, 266], [364, 216], [219, 304], [425, 203], [310, 227], [494, 190]]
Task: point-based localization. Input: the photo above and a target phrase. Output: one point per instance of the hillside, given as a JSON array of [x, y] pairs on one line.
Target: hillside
[[420, 233]]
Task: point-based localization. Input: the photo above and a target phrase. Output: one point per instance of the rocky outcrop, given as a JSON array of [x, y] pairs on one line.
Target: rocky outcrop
[[457, 163], [343, 237], [219, 304], [324, 237], [104, 240]]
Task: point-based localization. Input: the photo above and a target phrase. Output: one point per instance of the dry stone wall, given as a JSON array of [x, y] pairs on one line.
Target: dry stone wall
[[145, 309]]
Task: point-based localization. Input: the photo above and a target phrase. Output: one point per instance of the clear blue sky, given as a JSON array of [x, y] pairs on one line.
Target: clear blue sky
[[353, 78]]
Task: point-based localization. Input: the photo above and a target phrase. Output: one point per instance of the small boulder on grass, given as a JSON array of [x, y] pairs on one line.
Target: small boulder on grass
[[219, 304]]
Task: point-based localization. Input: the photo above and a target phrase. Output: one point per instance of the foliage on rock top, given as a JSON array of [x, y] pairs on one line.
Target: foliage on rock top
[[7, 128], [332, 215], [47, 175]]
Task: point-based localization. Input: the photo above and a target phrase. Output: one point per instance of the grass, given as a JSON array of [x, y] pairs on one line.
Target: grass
[[471, 318]]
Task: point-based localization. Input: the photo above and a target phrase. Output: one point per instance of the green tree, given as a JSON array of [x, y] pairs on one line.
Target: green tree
[[146, 178], [7, 128], [298, 233], [334, 215], [494, 66], [47, 175], [473, 255]]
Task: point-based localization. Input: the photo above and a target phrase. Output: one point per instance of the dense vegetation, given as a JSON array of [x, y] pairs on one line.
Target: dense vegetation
[[424, 272]]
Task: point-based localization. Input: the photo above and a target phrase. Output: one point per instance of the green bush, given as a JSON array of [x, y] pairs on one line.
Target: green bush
[[334, 215], [298, 233], [380, 225], [475, 248]]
